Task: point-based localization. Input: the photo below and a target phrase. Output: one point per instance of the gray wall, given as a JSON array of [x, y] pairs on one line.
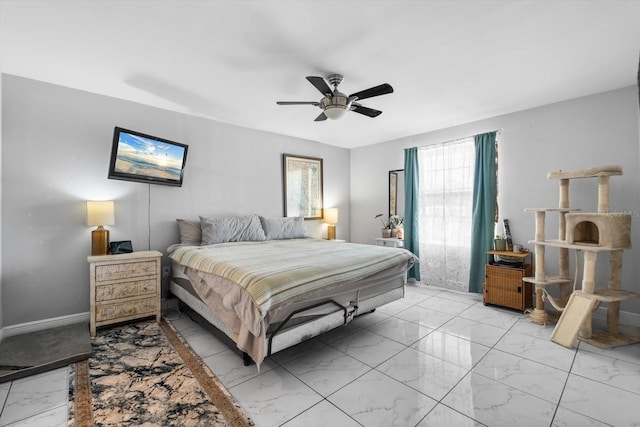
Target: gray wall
[[591, 131], [56, 148]]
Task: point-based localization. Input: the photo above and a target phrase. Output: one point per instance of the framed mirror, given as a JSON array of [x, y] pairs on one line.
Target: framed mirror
[[302, 186], [396, 192]]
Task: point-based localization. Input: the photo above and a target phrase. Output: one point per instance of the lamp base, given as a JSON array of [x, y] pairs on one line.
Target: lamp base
[[100, 241], [331, 232]]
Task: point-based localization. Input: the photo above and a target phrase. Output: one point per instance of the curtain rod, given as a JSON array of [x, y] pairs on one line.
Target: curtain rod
[[451, 141]]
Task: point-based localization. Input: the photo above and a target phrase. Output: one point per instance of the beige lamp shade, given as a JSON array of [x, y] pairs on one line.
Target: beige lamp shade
[[100, 213], [331, 215]]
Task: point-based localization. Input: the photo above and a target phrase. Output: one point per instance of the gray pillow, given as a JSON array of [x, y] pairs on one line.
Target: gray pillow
[[190, 232], [284, 228], [231, 229]]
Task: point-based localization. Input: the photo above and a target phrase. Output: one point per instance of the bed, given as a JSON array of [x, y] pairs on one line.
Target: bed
[[272, 289]]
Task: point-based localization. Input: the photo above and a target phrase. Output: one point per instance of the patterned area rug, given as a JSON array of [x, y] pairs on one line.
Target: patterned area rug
[[146, 374]]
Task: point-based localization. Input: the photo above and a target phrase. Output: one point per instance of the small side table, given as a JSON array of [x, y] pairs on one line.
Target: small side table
[[123, 287], [504, 285], [391, 242]]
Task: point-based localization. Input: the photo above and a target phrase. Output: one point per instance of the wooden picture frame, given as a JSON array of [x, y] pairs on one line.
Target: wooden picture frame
[[302, 178]]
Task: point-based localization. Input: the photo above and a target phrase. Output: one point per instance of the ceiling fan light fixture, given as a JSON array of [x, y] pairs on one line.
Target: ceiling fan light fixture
[[334, 104], [334, 112]]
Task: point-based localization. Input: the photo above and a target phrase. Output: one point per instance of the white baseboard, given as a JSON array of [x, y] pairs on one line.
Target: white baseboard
[[626, 317], [41, 325]]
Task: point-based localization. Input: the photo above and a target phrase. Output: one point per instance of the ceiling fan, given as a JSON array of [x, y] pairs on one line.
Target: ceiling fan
[[335, 103]]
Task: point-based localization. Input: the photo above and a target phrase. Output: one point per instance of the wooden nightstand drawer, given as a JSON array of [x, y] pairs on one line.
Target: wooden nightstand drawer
[[125, 289], [125, 271], [125, 310]]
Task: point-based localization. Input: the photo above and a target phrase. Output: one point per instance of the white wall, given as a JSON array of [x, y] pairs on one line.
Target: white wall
[[56, 144], [1, 323], [591, 131], [56, 148]]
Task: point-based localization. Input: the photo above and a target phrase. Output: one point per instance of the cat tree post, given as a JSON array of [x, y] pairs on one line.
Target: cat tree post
[[538, 312], [588, 286], [563, 256], [540, 217], [592, 233], [539, 315], [613, 307], [603, 194]]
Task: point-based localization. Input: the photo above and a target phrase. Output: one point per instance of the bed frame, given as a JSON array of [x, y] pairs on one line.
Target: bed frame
[[303, 323]]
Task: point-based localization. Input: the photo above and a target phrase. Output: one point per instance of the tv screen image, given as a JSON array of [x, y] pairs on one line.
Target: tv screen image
[[139, 157]]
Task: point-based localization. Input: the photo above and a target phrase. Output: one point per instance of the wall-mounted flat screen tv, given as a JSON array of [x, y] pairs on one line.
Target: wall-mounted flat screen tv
[[145, 158]]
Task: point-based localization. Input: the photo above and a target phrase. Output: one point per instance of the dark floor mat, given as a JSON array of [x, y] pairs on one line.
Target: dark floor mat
[[40, 351]]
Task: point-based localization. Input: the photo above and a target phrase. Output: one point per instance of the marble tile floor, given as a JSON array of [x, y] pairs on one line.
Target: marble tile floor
[[435, 358]]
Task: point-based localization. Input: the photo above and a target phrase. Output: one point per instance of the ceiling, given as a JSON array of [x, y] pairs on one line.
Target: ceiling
[[449, 62]]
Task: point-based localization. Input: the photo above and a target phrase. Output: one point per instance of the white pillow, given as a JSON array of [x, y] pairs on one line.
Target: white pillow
[[284, 228], [231, 229]]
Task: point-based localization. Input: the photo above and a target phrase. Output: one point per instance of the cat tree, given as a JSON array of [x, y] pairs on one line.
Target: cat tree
[[592, 234]]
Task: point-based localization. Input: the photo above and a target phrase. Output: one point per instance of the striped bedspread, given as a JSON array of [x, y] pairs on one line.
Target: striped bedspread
[[274, 271]]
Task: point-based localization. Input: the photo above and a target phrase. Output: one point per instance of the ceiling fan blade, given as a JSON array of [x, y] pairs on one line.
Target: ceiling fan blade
[[320, 84], [382, 89], [321, 117], [364, 110], [317, 104]]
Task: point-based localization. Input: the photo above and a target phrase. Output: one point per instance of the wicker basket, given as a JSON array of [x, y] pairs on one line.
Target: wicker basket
[[504, 286]]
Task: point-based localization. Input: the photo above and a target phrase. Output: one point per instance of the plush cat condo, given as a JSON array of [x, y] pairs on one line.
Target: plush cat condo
[[602, 232]]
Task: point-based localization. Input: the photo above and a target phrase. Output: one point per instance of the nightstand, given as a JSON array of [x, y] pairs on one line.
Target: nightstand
[[504, 285], [124, 287], [391, 242]]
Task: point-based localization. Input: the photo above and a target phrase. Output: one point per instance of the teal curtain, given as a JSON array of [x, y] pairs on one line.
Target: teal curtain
[[411, 186], [484, 205]]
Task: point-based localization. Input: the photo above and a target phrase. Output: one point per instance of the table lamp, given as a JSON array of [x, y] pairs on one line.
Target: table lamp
[[331, 218], [100, 214]]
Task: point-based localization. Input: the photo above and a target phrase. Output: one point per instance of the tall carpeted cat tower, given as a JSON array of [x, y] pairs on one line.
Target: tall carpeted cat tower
[[593, 234]]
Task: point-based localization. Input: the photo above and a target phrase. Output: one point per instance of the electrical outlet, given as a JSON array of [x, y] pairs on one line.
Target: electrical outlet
[[165, 272]]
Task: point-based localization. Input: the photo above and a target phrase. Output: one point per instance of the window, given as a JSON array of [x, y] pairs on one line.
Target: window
[[445, 208]]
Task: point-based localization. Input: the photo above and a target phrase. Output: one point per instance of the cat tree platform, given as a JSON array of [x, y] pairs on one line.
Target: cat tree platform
[[591, 234]]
